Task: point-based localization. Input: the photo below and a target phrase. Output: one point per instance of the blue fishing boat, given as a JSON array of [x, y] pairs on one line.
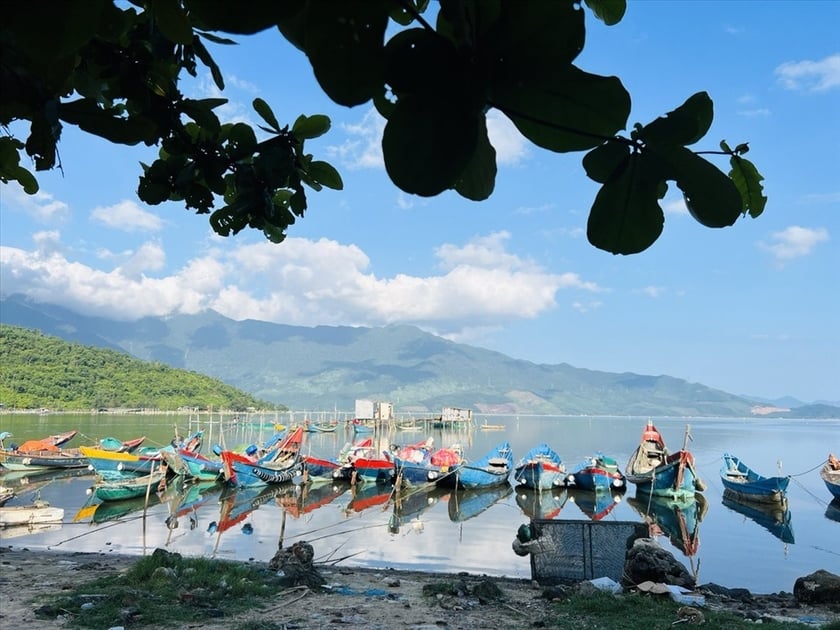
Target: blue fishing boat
[[656, 471], [420, 464], [775, 518], [742, 483], [279, 465], [491, 470], [599, 473], [830, 474], [541, 468]]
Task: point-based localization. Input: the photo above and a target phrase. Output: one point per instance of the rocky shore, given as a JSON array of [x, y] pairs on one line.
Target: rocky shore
[[380, 599]]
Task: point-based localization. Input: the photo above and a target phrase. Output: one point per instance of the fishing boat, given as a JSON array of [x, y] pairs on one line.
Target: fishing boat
[[280, 465], [326, 468], [678, 519], [121, 446], [491, 470], [328, 426], [362, 426], [830, 474], [774, 517], [6, 495], [37, 513], [545, 504], [43, 454], [742, 483], [415, 465], [105, 463], [469, 503], [121, 488], [541, 469], [656, 471], [599, 473], [194, 466]]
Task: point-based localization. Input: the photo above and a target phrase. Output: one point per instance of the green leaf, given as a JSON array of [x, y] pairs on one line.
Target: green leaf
[[172, 21], [626, 217], [478, 179], [263, 109], [602, 162], [202, 113], [88, 116], [564, 109], [325, 174], [203, 54], [219, 15], [711, 197], [427, 144], [26, 180], [418, 60], [344, 42], [610, 12], [308, 127], [683, 126], [748, 180]]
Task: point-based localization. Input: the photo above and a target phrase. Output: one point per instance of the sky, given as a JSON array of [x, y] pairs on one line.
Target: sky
[[753, 309]]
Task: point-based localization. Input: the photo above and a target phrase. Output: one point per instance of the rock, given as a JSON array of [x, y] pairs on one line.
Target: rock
[[820, 587], [646, 560], [738, 594]]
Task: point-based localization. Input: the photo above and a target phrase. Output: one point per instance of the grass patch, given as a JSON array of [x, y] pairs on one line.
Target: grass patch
[[166, 588], [604, 611]]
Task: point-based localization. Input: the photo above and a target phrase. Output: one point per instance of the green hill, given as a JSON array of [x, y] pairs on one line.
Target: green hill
[[40, 371]]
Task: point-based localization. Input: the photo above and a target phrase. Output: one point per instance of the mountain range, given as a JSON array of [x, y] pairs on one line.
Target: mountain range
[[330, 367]]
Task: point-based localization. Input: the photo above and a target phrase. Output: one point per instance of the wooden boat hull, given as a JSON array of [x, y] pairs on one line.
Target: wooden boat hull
[[35, 514], [491, 470], [540, 469], [130, 488], [744, 484], [598, 473], [674, 479], [832, 480], [46, 460]]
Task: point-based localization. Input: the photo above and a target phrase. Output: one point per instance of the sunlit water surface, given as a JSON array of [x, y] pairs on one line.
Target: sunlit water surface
[[440, 530]]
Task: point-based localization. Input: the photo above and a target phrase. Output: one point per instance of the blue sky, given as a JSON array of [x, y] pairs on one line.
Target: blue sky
[[753, 309]]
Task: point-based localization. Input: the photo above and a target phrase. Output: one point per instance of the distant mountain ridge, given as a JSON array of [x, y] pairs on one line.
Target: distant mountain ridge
[[329, 367]]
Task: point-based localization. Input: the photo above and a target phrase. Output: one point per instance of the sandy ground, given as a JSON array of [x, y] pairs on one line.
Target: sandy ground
[[376, 599], [365, 598]]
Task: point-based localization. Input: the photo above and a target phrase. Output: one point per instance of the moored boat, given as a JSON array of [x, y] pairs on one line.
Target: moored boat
[[491, 470], [281, 464], [656, 471], [121, 446], [744, 484], [599, 473], [830, 474], [6, 494], [37, 513], [420, 465], [541, 468], [121, 488]]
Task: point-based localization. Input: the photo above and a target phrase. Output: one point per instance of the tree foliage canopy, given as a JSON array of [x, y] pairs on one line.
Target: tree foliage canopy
[[41, 371], [112, 69]]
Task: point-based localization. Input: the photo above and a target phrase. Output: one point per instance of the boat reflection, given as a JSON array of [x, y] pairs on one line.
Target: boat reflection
[[595, 504], [467, 504], [832, 512], [236, 504], [368, 494], [678, 519], [300, 500], [411, 501], [774, 517], [541, 505]]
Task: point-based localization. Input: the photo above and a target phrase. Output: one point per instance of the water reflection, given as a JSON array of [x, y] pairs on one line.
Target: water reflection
[[545, 505], [678, 519], [467, 504], [596, 504], [832, 512], [775, 518]]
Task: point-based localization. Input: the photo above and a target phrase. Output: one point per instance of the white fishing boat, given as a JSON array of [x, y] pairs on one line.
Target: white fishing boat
[[37, 513]]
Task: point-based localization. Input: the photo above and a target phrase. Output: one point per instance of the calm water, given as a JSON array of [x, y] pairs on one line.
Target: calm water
[[446, 531]]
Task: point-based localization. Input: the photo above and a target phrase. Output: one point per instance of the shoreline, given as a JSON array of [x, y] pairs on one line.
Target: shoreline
[[380, 598]]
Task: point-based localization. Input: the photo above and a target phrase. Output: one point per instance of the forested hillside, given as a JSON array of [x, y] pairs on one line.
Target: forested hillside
[[40, 371]]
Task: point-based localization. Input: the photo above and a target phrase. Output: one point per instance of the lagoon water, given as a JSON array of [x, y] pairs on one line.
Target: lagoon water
[[445, 531]]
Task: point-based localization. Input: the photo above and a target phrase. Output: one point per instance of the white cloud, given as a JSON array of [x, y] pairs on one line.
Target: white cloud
[[41, 206], [127, 216], [675, 206], [511, 146], [302, 282], [794, 242], [652, 291], [754, 113], [813, 76], [585, 307]]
